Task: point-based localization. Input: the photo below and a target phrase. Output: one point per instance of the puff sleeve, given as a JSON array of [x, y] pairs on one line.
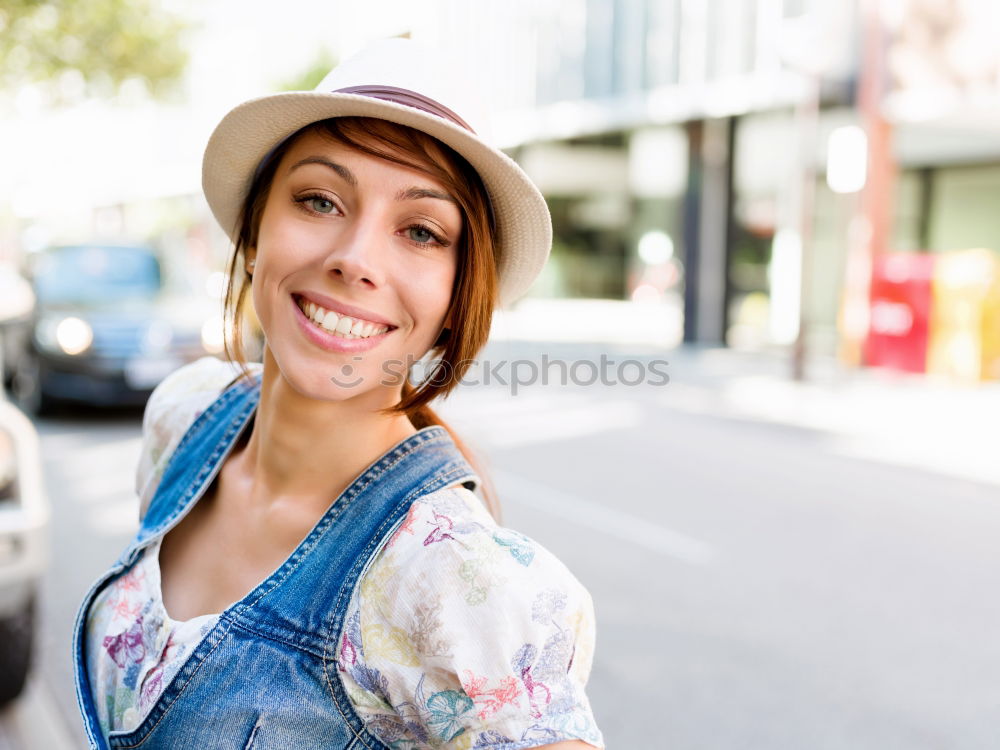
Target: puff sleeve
[[173, 405], [463, 634]]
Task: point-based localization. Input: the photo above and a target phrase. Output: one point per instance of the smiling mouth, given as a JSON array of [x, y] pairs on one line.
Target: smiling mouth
[[343, 326]]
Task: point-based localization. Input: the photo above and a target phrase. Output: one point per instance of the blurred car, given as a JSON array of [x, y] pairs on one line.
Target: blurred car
[[17, 302], [106, 327], [24, 521]]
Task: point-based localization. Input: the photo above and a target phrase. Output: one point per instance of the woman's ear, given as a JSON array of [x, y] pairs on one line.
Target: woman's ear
[[250, 262]]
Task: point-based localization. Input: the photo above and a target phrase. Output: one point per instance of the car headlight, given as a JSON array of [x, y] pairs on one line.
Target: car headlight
[[70, 335], [74, 335]]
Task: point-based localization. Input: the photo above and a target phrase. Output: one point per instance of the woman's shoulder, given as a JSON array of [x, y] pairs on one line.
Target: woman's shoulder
[[197, 380], [182, 396], [460, 625], [172, 406], [452, 526], [449, 550], [450, 546]]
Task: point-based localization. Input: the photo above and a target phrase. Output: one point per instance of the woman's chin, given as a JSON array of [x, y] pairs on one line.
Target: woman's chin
[[340, 385]]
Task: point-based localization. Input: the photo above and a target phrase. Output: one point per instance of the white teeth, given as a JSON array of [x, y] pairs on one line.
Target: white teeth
[[342, 325], [330, 321]]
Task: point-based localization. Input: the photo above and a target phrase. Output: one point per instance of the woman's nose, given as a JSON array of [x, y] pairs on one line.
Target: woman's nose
[[357, 253]]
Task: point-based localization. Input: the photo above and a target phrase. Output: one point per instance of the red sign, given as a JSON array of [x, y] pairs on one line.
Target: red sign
[[900, 311]]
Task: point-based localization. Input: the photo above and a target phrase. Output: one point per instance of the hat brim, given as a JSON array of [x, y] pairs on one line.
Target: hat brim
[[249, 131]]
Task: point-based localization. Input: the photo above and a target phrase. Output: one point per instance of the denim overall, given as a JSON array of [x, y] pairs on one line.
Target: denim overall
[[265, 677]]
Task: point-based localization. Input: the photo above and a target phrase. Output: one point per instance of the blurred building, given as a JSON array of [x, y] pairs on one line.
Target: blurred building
[[742, 160], [721, 148]]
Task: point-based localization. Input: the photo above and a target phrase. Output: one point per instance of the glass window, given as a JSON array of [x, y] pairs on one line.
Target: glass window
[[90, 273]]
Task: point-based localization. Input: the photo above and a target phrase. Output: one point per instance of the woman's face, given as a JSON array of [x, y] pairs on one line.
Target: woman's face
[[354, 267]]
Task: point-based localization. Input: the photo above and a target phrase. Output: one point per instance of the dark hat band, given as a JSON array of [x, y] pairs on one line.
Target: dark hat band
[[408, 98]]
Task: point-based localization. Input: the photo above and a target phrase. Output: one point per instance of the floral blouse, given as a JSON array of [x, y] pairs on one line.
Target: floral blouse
[[134, 647], [460, 634]]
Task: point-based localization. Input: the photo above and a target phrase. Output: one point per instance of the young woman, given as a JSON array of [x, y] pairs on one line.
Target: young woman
[[313, 568]]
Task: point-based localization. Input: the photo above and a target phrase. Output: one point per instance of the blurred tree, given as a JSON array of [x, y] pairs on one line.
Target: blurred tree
[[94, 45]]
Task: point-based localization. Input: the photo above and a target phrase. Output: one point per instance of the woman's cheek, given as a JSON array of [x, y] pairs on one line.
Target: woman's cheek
[[258, 297]]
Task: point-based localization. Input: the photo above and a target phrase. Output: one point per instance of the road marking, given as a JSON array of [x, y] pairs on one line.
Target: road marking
[[34, 720], [625, 526]]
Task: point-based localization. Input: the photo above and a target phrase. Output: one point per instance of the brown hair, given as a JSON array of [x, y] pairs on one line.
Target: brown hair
[[475, 288]]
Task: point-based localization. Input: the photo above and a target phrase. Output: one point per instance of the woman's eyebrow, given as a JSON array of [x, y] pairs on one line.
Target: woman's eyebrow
[[410, 194], [344, 172], [415, 193]]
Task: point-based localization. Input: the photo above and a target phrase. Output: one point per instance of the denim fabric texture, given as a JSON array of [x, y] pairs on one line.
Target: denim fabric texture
[[265, 677]]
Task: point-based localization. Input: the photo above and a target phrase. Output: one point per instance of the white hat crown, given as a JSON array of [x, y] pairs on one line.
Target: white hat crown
[[414, 67]]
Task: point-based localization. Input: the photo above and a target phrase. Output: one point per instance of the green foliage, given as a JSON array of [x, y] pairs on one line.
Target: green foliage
[[309, 78], [105, 42]]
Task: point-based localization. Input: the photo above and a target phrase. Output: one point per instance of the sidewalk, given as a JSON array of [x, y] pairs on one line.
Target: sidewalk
[[908, 420], [917, 421]]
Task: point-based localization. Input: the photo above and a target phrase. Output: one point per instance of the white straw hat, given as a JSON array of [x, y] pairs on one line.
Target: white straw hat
[[406, 83]]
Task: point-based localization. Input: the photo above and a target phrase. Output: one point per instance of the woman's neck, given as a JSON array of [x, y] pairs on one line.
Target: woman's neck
[[309, 451]]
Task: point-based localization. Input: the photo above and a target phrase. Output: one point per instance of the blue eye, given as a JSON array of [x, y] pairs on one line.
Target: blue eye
[[421, 234], [320, 205], [315, 203]]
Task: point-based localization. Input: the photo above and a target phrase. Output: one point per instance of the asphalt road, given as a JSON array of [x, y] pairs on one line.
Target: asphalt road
[[754, 587]]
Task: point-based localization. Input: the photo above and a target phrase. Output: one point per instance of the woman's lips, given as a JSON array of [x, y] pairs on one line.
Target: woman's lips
[[342, 308], [331, 341]]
